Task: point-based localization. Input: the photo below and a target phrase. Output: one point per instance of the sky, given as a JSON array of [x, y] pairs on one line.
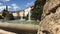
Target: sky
[[14, 5]]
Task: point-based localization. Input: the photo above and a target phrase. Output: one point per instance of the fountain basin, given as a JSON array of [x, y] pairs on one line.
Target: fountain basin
[[22, 21]]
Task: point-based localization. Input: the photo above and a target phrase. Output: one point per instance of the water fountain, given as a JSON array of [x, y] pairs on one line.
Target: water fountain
[[29, 17], [21, 18], [23, 21], [22, 15]]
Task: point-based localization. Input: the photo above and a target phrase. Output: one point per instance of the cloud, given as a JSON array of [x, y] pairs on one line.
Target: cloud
[[29, 4], [12, 6], [3, 7], [4, 0], [15, 7]]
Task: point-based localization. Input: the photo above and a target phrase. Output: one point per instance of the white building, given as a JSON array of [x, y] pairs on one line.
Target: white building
[[27, 10], [22, 13]]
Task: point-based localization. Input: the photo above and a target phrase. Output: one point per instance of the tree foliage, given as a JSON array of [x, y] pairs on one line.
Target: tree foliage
[[38, 9], [1, 17], [6, 14]]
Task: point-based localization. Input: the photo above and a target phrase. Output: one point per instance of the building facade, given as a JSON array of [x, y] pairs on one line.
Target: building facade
[[22, 13]]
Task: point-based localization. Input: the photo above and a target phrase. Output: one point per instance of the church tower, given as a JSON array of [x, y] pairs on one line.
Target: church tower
[[6, 8]]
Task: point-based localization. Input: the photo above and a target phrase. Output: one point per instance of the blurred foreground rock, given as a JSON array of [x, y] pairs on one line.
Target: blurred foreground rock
[[50, 7], [50, 23]]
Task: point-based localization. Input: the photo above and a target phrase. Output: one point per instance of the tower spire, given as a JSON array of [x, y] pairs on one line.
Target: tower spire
[[6, 8]]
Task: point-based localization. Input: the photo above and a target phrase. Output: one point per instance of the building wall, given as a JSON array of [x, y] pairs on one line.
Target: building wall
[[27, 11], [15, 14], [23, 12]]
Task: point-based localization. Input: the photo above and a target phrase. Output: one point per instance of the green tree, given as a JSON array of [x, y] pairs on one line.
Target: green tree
[[1, 17], [38, 9], [6, 14]]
